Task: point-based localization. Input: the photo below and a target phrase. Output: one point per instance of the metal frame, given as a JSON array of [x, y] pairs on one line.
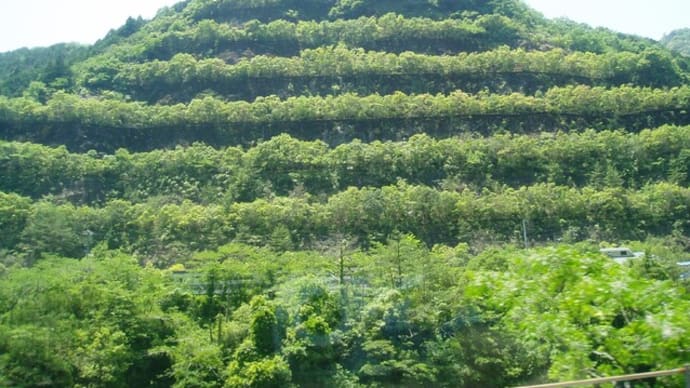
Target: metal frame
[[622, 378]]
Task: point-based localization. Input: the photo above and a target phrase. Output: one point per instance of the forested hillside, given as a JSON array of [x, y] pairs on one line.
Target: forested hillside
[[343, 193], [678, 41]]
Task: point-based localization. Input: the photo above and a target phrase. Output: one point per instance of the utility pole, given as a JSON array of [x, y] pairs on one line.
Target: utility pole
[[524, 232]]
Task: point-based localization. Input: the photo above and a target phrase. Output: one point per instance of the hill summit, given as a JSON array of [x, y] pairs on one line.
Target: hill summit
[[233, 72]]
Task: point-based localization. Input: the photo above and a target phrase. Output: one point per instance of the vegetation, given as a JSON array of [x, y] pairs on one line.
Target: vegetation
[[403, 315], [202, 174], [337, 70], [104, 124], [345, 193], [50, 66], [678, 40]]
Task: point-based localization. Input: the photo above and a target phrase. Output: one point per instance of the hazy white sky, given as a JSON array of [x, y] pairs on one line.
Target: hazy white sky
[[30, 23], [650, 18]]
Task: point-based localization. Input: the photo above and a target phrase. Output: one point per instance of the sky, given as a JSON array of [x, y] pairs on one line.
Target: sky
[[31, 23], [648, 18]]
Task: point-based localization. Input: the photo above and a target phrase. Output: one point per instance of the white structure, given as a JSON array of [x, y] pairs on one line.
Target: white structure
[[684, 270], [621, 255]]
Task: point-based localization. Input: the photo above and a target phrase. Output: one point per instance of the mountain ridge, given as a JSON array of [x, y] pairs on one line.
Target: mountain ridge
[[130, 89]]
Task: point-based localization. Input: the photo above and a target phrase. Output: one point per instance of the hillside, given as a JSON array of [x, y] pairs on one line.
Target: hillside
[[678, 41], [274, 193]]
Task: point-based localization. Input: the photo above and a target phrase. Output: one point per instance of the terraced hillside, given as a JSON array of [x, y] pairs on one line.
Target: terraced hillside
[[346, 182]]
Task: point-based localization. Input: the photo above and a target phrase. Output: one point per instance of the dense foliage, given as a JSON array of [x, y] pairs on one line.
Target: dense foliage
[[50, 66], [104, 124], [164, 231], [398, 315], [678, 40], [337, 70], [343, 193], [284, 164]]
